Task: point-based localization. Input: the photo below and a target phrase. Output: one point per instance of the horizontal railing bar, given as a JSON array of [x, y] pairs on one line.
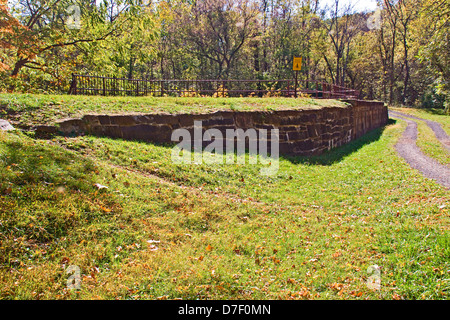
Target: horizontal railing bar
[[90, 84]]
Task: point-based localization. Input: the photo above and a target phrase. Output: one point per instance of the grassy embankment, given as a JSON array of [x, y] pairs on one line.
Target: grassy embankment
[[27, 110], [162, 230]]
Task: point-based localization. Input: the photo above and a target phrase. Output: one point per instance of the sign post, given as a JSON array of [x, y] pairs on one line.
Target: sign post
[[297, 66]]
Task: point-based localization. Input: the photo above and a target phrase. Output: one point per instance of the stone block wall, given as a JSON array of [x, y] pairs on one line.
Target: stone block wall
[[301, 132]]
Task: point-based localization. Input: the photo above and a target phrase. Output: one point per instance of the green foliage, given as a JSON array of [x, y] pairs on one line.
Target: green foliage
[[58, 38], [402, 58], [432, 99]]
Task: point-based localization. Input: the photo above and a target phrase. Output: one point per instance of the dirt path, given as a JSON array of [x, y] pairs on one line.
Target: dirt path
[[407, 148], [440, 133]]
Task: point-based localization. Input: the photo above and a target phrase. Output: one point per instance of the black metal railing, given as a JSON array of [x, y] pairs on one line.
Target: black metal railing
[[112, 86]]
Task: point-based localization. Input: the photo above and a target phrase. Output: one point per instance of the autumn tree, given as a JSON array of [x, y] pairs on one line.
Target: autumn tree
[[41, 29], [402, 13], [219, 29], [127, 53], [434, 47], [8, 27], [342, 24], [402, 59]]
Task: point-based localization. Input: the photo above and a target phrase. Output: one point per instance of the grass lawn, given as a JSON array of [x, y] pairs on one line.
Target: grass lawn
[[25, 110], [430, 145], [167, 231]]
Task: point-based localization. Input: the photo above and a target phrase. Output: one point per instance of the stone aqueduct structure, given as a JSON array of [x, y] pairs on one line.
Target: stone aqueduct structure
[[301, 132]]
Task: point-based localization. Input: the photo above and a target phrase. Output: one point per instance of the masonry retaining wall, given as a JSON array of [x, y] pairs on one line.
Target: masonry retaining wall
[[302, 132]]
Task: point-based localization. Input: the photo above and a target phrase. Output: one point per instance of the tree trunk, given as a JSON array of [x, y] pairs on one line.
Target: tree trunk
[[406, 81], [19, 65], [130, 71], [391, 71]]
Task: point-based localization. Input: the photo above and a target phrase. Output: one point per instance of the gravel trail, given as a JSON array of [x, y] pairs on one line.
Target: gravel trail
[[440, 133], [407, 148]]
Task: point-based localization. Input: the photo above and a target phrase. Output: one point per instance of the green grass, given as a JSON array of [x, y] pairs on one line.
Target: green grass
[[430, 145], [25, 110], [226, 232]]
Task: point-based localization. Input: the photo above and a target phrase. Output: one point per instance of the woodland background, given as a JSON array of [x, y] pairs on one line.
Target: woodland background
[[399, 54]]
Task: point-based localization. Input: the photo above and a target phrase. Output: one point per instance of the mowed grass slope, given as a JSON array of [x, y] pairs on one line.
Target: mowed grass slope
[[26, 110], [166, 231]]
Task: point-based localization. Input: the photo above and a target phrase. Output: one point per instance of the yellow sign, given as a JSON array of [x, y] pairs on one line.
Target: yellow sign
[[297, 64]]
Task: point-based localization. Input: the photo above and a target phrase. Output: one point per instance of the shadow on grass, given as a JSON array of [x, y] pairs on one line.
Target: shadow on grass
[[333, 156], [336, 155], [326, 159], [44, 164]]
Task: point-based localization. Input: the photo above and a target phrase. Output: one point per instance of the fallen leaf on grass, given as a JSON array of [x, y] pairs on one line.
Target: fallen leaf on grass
[[60, 189], [65, 260], [356, 294], [303, 293]]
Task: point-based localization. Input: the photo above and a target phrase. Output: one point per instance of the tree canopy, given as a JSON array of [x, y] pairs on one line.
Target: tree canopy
[[399, 53]]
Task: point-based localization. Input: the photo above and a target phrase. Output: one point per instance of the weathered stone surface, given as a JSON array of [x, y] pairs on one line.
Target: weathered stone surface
[[73, 126], [46, 131], [302, 132], [295, 135], [123, 120], [104, 120], [217, 121], [146, 132], [244, 120]]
